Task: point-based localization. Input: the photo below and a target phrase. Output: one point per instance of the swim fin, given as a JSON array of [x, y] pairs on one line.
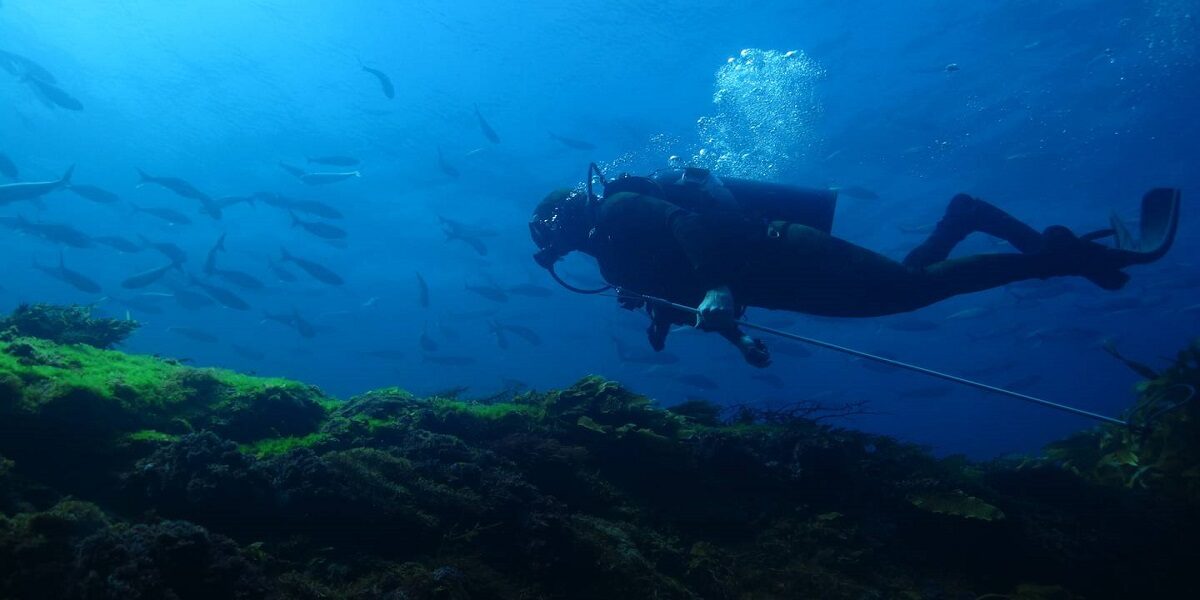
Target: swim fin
[[1159, 223]]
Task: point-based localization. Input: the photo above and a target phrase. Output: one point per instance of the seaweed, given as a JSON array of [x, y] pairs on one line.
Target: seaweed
[[65, 325]]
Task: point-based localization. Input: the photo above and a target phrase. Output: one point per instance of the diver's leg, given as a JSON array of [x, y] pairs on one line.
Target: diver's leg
[[966, 215]]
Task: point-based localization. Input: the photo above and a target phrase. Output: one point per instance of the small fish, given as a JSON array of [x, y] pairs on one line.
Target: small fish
[[451, 361], [856, 191], [221, 295], [146, 278], [281, 273], [228, 201], [119, 244], [445, 167], [173, 217], [573, 144], [53, 93], [210, 262], [327, 178], [525, 333], [52, 232], [457, 231], [1141, 369], [238, 278], [492, 293], [427, 343], [488, 132], [196, 335], [74, 279], [422, 292], [22, 66], [8, 168], [530, 290], [316, 271], [310, 207], [951, 68], [295, 321], [497, 332], [189, 300], [167, 249], [385, 82], [296, 172], [93, 193], [334, 161], [14, 192], [174, 184], [321, 230], [698, 381]]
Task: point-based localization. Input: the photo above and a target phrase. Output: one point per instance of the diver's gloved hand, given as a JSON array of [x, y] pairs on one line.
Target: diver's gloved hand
[[753, 350], [717, 310]]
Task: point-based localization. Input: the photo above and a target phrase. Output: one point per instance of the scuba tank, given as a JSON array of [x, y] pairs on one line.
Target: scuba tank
[[699, 190]]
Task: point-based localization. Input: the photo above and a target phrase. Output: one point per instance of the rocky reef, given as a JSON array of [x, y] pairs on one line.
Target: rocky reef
[[137, 477]]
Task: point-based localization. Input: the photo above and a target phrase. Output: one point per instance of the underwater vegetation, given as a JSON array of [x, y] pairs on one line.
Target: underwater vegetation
[[138, 477]]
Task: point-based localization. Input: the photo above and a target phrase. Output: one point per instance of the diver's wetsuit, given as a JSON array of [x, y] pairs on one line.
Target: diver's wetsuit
[[656, 248]]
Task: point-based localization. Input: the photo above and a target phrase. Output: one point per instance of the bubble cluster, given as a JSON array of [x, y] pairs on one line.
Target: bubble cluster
[[766, 105]]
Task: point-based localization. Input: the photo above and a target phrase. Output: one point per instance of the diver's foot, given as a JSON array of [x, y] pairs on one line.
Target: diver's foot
[[1069, 255], [754, 351]]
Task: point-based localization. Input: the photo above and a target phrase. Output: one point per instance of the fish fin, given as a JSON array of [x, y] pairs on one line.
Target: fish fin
[[66, 178], [144, 177]]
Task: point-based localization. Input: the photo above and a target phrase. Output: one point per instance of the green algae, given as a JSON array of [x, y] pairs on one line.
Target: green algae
[[272, 446]]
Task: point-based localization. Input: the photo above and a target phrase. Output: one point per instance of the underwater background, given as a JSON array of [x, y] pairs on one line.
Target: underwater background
[[223, 376]]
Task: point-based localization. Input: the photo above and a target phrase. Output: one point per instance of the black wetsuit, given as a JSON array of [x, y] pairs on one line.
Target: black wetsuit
[[653, 247]]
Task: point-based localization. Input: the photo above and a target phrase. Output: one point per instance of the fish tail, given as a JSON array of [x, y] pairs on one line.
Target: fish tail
[[295, 219], [66, 178]]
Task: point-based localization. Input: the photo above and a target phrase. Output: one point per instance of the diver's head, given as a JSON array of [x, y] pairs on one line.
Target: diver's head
[[560, 225]]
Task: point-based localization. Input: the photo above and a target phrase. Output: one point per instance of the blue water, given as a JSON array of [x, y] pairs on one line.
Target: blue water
[[1059, 111]]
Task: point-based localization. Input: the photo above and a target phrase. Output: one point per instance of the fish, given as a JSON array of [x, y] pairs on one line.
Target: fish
[[196, 335], [334, 161], [321, 230], [22, 66], [173, 217], [294, 171], [1142, 369], [698, 381], [450, 361], [149, 277], [228, 201], [385, 82], [8, 168], [74, 279], [457, 231], [428, 344], [445, 167], [488, 132], [525, 333], [119, 244], [327, 178], [29, 190], [51, 232], [54, 94], [238, 278], [316, 271], [93, 193], [210, 261], [497, 332], [295, 321], [422, 292], [857, 191], [494, 294], [530, 290], [189, 300], [281, 273], [171, 251], [246, 352], [627, 355], [310, 207], [571, 143], [223, 296], [174, 184]]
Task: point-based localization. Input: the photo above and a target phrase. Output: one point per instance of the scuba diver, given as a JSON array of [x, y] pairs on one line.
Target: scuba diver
[[726, 244]]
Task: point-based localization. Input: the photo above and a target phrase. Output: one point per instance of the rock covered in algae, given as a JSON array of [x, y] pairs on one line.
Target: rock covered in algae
[[65, 325], [124, 476]]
